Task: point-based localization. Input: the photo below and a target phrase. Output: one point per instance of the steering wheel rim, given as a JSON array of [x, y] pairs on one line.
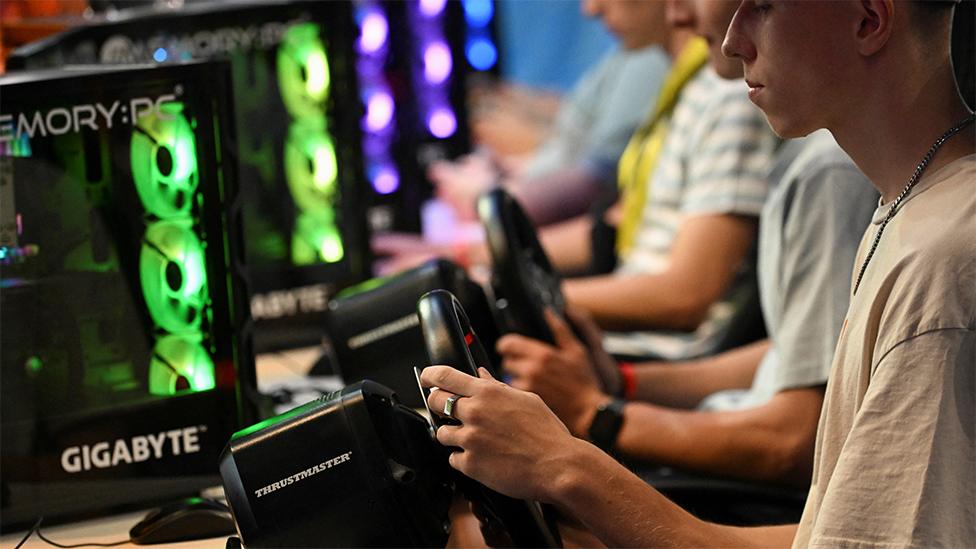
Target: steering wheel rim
[[450, 340], [522, 274]]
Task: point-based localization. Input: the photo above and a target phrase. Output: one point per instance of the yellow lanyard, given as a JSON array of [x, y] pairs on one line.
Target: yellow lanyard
[[639, 158]]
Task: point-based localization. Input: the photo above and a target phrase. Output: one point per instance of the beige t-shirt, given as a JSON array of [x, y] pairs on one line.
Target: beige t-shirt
[[895, 464]]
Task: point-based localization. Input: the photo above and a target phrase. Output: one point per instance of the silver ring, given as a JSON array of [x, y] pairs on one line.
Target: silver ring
[[449, 406]]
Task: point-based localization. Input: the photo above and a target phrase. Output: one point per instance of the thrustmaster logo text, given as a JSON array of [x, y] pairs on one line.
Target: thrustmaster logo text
[[106, 454], [94, 116], [302, 475]]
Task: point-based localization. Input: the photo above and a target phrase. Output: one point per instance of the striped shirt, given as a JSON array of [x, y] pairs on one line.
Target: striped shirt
[[714, 161]]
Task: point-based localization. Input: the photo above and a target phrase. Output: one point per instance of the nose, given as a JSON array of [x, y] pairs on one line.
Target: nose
[[680, 14], [591, 8], [737, 43]]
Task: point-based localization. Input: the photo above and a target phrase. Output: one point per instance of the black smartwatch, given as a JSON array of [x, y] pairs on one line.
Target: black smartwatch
[[606, 424]]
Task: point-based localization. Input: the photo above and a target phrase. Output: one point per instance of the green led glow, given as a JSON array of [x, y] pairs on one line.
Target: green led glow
[[303, 71], [316, 239], [164, 161], [310, 167], [33, 365], [17, 148], [173, 274], [176, 357]]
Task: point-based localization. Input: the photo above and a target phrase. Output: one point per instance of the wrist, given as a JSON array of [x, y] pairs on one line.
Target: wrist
[[587, 411], [572, 476]]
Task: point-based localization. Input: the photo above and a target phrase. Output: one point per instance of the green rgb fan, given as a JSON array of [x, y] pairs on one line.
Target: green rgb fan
[[180, 363], [316, 239], [310, 167], [164, 161], [303, 71], [173, 275]]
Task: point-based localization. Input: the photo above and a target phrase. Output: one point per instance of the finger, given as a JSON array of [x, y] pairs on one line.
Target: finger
[[520, 383], [448, 379], [483, 373], [519, 368], [458, 460], [560, 330], [438, 399], [449, 435], [584, 323], [519, 346]]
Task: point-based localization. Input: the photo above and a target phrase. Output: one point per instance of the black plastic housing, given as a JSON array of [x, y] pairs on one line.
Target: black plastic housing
[[351, 469], [375, 331]]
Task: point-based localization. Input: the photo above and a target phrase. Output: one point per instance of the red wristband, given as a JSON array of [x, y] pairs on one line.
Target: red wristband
[[460, 252], [628, 379]]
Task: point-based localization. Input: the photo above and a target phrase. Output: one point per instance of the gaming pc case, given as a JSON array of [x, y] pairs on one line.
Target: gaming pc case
[[126, 351], [299, 145]]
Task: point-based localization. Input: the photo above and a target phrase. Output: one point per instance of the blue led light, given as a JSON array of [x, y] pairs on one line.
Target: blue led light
[[481, 54], [160, 55], [478, 12]]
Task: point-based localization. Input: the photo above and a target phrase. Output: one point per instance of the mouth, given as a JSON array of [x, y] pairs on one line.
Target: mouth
[[755, 88]]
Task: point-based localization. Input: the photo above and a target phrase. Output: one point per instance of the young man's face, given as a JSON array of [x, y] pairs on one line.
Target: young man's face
[[637, 23], [797, 55], [709, 19]]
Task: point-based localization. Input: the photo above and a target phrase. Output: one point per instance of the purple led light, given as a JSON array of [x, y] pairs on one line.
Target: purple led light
[[437, 63], [432, 8], [379, 111], [442, 122], [386, 180], [374, 32]]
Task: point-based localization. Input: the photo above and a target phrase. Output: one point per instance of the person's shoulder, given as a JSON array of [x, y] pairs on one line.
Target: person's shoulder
[[817, 166]]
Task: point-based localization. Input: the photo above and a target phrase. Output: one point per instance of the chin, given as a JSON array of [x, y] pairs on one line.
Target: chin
[[789, 128]]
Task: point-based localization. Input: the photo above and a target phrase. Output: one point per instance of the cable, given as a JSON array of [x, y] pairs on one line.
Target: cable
[[30, 532], [110, 544], [37, 528]]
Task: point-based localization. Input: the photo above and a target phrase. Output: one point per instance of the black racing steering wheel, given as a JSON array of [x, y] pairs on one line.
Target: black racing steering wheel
[[451, 341], [522, 278]]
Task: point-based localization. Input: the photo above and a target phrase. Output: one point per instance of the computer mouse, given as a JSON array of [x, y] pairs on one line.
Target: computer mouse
[[189, 519]]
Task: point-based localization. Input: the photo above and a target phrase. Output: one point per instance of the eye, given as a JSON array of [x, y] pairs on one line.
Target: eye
[[762, 6]]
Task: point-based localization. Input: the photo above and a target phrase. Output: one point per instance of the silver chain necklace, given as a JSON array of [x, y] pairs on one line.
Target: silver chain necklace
[[908, 188]]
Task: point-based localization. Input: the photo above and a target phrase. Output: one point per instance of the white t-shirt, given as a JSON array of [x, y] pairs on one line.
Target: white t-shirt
[[895, 461], [809, 230], [714, 161]]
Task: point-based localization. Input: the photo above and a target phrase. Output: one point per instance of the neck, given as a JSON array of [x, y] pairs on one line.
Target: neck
[[889, 148], [676, 41]]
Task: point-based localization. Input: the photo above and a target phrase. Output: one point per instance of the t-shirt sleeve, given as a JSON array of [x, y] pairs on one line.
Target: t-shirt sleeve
[[623, 103], [906, 476], [729, 158], [829, 211]]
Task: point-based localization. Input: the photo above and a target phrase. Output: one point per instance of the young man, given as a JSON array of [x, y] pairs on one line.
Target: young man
[[894, 457], [692, 185], [758, 405], [594, 123]]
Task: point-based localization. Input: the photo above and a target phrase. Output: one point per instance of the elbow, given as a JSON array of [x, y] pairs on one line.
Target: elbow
[[689, 312], [790, 461]]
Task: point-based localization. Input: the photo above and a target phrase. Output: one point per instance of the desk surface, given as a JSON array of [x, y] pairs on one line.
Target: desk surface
[[274, 371]]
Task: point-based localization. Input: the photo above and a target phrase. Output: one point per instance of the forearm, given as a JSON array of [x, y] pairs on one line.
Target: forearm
[[568, 244], [685, 384], [623, 511], [770, 443], [704, 258], [638, 302], [557, 196]]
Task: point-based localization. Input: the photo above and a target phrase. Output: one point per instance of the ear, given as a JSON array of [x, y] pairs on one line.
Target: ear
[[875, 24]]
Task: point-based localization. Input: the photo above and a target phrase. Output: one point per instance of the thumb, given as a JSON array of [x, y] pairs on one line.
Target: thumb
[[483, 373], [560, 330]]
